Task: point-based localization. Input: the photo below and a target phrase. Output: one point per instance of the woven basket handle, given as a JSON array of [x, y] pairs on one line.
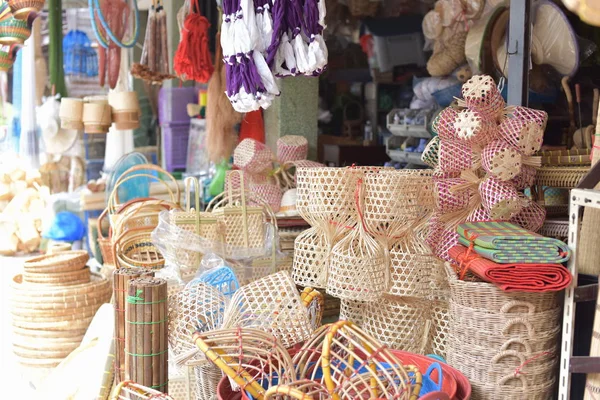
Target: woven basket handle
[[509, 353], [507, 378], [518, 341], [506, 308], [99, 223], [192, 183], [113, 199], [517, 321], [146, 167], [133, 232]]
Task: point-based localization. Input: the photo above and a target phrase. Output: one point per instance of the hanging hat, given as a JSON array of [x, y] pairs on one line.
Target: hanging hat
[[477, 37], [56, 139], [553, 41]]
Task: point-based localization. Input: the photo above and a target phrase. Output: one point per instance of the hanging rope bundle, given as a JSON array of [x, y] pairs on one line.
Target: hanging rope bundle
[[154, 62], [250, 82], [192, 59], [110, 20]]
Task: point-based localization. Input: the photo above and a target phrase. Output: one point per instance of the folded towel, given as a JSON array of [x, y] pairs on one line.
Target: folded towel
[[504, 242], [514, 277]]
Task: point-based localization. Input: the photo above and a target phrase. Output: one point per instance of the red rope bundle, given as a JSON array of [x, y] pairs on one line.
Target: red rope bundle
[[192, 59]]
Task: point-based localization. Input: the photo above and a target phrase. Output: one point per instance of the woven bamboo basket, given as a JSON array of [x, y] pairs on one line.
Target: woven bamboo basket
[[135, 249], [556, 228], [554, 158], [352, 310], [438, 333], [192, 220], [339, 348], [14, 31], [251, 358], [56, 263], [21, 9], [401, 323], [311, 250], [272, 304], [411, 268], [487, 297], [300, 390], [58, 278], [241, 226], [560, 177]]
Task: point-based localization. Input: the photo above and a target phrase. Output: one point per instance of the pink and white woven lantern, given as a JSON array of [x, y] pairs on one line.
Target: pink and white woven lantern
[[503, 161], [525, 136], [270, 193], [456, 156], [440, 238], [527, 114], [531, 217], [443, 124], [448, 200], [500, 198], [291, 148], [253, 156], [481, 94], [234, 180], [475, 127], [480, 214], [525, 178]]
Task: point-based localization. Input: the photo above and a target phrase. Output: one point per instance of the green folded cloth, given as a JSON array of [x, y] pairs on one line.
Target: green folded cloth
[[504, 242]]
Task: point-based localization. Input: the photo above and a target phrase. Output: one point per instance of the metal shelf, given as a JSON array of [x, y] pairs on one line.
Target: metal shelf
[[406, 157]]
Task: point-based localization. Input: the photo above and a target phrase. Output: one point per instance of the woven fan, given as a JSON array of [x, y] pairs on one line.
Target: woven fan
[[252, 359], [272, 304], [352, 364]]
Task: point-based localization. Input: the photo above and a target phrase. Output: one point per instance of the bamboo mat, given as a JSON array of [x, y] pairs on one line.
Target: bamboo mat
[[146, 333]]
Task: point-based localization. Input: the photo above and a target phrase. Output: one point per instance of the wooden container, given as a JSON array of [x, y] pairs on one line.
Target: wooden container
[[71, 113], [96, 118], [125, 110]]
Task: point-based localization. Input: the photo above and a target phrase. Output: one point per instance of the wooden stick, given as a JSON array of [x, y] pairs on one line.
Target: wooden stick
[[130, 316], [147, 359], [155, 337], [164, 371], [139, 332]]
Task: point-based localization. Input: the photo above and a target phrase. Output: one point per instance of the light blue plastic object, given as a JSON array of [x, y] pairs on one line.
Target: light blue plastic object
[[222, 278], [134, 188], [66, 227]]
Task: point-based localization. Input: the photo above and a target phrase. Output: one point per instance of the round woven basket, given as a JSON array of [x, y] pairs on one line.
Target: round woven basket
[[6, 61], [14, 31], [62, 262], [58, 278], [21, 9], [136, 250]]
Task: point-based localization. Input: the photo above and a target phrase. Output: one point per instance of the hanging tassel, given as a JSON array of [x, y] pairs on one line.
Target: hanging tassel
[[192, 59]]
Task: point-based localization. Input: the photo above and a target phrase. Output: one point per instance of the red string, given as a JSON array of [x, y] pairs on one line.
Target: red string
[[468, 257], [518, 369]]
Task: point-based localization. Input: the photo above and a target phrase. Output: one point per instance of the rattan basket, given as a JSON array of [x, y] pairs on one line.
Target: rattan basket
[[58, 278], [57, 263], [135, 249]]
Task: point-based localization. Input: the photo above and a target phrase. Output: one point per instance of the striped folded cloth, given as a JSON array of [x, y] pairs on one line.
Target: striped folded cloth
[[504, 242], [514, 277]]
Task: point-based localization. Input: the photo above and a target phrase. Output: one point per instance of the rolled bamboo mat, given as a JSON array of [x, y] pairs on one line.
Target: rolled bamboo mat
[[146, 333], [121, 279], [592, 384]]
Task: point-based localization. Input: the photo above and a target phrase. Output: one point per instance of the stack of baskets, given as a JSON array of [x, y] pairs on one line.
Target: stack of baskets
[[366, 246], [52, 304], [506, 344]]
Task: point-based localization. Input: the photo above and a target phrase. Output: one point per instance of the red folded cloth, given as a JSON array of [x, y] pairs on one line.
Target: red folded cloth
[[513, 277]]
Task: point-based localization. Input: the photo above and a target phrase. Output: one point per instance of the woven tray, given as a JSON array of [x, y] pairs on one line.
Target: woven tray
[[57, 262], [560, 177], [58, 278]]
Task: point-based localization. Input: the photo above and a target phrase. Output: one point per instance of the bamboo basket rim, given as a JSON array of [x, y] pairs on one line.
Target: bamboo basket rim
[[48, 334], [95, 284], [62, 261], [66, 278]]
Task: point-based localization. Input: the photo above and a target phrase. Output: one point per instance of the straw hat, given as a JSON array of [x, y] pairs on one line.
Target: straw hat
[[553, 41], [56, 139], [288, 204], [479, 34]]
